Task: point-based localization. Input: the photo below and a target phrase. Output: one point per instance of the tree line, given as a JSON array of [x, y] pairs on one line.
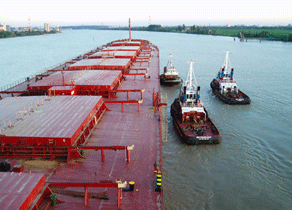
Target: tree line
[[7, 34], [279, 33]]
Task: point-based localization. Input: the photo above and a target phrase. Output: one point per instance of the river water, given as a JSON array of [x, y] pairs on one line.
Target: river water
[[252, 167]]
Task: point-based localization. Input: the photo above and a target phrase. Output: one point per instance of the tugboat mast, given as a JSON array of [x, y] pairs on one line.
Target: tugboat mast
[[227, 62], [170, 62], [189, 81]]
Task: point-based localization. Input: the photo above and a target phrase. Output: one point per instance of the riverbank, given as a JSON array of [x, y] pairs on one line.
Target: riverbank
[[7, 34], [267, 33], [277, 33]]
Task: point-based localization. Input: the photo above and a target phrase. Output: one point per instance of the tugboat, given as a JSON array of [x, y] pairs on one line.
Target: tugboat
[[170, 76], [190, 117], [224, 86]]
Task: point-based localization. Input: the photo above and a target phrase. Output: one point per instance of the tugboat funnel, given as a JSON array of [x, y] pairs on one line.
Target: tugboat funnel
[[222, 74], [185, 95], [231, 75], [198, 94]]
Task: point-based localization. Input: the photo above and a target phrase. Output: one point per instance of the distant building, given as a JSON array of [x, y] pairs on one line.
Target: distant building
[[2, 27], [8, 28], [47, 26]]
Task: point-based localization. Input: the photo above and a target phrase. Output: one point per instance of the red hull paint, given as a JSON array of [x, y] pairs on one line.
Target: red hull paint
[[187, 131], [119, 126], [239, 98]]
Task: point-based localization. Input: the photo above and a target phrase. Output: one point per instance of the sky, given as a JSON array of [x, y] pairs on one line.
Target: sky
[[164, 12]]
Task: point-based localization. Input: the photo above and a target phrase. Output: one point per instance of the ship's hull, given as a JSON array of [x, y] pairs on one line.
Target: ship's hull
[[190, 135], [85, 151], [239, 99], [169, 81]]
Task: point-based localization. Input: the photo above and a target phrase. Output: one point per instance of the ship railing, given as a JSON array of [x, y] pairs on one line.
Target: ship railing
[[9, 86], [163, 118], [137, 74], [102, 184], [190, 104], [139, 69], [139, 102], [52, 152], [22, 80], [228, 81], [128, 91], [25, 79]]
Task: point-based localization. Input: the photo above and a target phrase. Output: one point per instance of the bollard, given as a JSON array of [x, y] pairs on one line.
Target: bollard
[[158, 187], [132, 184], [158, 182]]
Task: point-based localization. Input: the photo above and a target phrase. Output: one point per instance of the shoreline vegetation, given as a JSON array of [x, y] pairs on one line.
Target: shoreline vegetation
[[7, 34], [277, 33]]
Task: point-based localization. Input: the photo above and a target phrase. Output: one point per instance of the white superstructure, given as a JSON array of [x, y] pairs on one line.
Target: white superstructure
[[225, 77], [170, 71], [190, 94]]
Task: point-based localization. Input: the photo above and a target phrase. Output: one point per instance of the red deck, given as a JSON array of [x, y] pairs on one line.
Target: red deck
[[123, 125], [53, 123], [18, 190], [122, 48], [102, 64], [130, 127], [81, 82], [62, 90], [127, 43], [114, 54]]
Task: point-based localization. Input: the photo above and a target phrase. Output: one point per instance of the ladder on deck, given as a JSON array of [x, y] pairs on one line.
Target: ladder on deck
[[164, 122]]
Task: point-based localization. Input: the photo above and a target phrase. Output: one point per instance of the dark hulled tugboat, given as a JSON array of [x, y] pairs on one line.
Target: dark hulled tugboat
[[225, 88], [190, 117], [170, 75]]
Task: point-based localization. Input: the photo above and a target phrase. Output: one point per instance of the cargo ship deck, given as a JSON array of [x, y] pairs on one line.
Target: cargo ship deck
[[107, 146]]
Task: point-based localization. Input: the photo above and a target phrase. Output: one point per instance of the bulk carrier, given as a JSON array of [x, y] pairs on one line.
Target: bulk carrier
[[87, 134]]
